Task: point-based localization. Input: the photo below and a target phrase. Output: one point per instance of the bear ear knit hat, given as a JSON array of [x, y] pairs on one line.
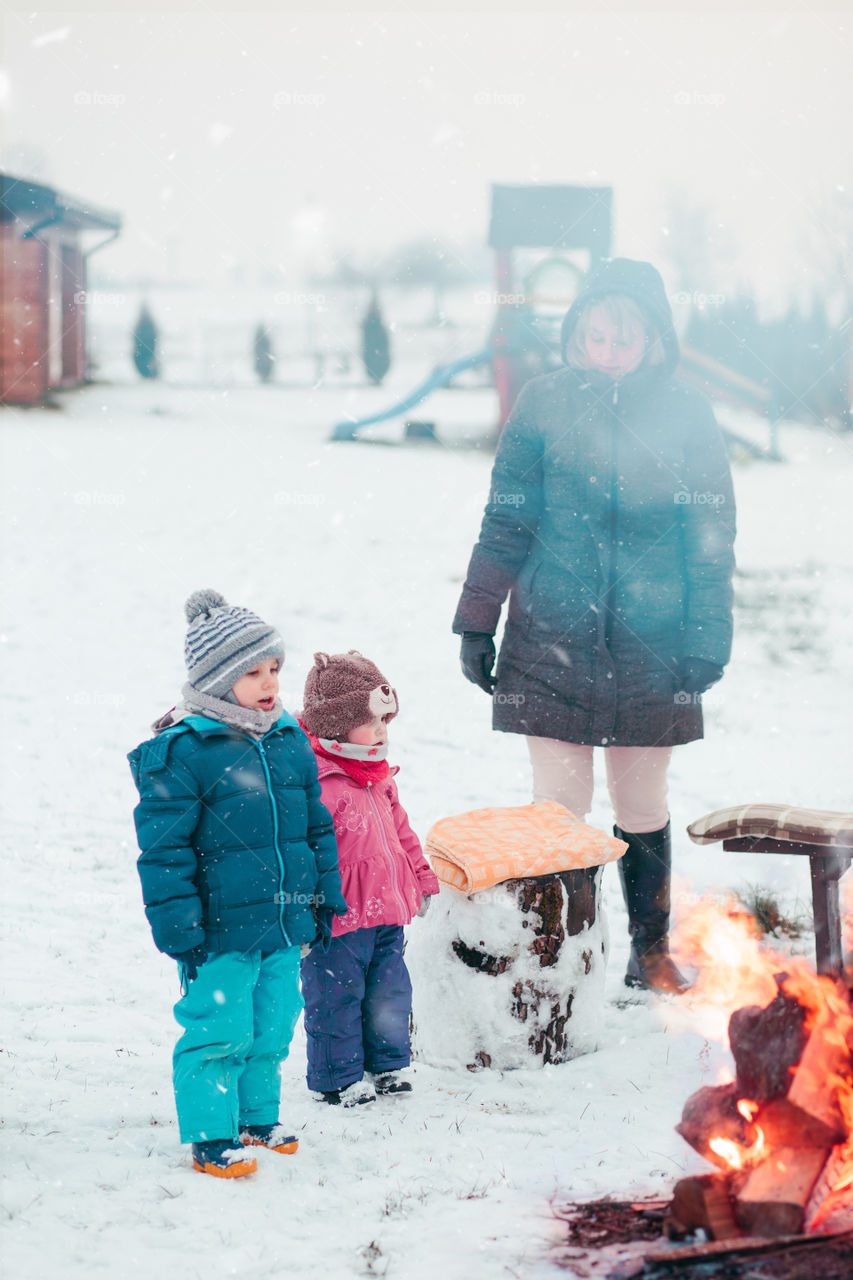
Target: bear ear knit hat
[[224, 642], [343, 691]]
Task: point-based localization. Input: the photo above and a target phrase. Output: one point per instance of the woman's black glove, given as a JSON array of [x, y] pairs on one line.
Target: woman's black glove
[[695, 675], [478, 659]]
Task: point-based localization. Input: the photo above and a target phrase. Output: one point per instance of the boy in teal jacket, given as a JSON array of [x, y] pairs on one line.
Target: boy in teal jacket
[[239, 872]]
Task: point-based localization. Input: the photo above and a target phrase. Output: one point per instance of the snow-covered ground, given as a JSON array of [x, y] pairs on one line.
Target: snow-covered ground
[[116, 507]]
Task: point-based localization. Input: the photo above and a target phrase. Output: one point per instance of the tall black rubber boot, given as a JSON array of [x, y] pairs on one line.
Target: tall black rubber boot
[[645, 871]]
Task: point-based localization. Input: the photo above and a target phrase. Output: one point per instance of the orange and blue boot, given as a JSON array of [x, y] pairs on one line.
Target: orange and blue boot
[[222, 1158], [274, 1136]]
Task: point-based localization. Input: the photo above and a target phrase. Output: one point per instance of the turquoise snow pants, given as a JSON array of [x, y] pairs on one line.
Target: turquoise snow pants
[[238, 1017]]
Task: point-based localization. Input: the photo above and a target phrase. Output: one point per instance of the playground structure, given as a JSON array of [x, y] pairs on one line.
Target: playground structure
[[538, 233], [533, 230]]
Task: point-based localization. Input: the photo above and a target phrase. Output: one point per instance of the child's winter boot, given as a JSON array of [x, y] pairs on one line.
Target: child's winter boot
[[274, 1136], [390, 1082], [222, 1158], [353, 1095]]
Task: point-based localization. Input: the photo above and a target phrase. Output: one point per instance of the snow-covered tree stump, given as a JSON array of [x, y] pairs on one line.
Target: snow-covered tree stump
[[512, 976]]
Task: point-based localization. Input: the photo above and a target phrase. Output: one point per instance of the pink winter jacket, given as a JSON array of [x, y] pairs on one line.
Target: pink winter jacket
[[384, 873]]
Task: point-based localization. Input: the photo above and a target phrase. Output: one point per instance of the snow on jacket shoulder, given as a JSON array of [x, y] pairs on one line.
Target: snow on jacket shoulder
[[238, 851], [384, 873]]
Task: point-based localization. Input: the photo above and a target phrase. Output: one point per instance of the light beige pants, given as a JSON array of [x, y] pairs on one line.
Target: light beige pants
[[636, 780]]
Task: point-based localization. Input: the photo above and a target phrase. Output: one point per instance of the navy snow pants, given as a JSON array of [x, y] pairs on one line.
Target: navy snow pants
[[358, 997]]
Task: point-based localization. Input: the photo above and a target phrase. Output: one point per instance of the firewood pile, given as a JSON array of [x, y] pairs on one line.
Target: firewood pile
[[779, 1205], [781, 1132], [621, 1240]]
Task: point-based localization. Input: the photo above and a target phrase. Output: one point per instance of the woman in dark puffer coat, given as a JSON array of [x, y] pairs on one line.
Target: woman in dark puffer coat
[[610, 524]]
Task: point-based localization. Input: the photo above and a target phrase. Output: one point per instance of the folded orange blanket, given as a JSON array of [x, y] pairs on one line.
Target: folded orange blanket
[[475, 850]]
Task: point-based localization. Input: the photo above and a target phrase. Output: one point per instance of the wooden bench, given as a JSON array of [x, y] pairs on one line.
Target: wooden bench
[[824, 837]]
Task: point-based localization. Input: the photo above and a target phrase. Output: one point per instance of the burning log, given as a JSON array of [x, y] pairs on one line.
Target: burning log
[[783, 1131], [766, 1045], [784, 1121], [831, 1205], [792, 1077], [774, 1197], [783, 1061], [711, 1115], [702, 1203]]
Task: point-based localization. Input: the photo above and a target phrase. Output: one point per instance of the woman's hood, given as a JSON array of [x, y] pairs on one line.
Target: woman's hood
[[637, 280]]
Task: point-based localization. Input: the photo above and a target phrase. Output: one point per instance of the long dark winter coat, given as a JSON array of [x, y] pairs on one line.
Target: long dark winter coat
[[610, 523]]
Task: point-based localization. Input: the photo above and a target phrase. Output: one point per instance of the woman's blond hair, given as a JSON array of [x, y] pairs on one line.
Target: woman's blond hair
[[626, 315]]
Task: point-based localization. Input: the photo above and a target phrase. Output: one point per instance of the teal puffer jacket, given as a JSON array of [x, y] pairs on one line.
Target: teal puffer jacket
[[238, 851]]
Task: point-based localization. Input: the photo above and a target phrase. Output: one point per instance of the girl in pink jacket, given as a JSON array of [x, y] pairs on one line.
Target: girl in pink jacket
[[358, 994]]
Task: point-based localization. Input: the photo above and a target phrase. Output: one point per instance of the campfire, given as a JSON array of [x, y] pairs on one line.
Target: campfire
[[781, 1132]]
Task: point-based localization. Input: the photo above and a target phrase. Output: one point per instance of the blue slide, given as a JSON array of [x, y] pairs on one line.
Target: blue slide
[[440, 377]]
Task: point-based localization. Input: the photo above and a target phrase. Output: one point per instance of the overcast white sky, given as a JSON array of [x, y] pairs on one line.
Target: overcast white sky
[[213, 130]]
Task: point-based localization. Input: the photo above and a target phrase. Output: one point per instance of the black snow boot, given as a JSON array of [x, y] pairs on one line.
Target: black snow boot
[[645, 872]]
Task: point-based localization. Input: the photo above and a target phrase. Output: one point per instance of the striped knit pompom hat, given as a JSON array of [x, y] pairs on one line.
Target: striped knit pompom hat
[[224, 642]]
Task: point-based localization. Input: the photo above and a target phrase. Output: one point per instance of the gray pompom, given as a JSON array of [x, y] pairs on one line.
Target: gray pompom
[[201, 602]]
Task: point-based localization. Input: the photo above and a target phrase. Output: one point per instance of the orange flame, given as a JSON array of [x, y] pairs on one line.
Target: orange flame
[[723, 943], [736, 1156]]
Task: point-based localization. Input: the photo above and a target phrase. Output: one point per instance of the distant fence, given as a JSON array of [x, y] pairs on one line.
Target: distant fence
[[205, 336]]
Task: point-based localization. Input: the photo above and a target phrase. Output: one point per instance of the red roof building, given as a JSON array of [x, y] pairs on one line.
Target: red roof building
[[43, 269]]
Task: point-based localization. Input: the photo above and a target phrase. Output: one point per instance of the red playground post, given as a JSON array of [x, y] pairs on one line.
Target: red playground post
[[538, 232]]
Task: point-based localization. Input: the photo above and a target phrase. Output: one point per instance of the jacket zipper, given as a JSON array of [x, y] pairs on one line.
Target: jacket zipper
[[609, 613], [394, 887], [278, 853]]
